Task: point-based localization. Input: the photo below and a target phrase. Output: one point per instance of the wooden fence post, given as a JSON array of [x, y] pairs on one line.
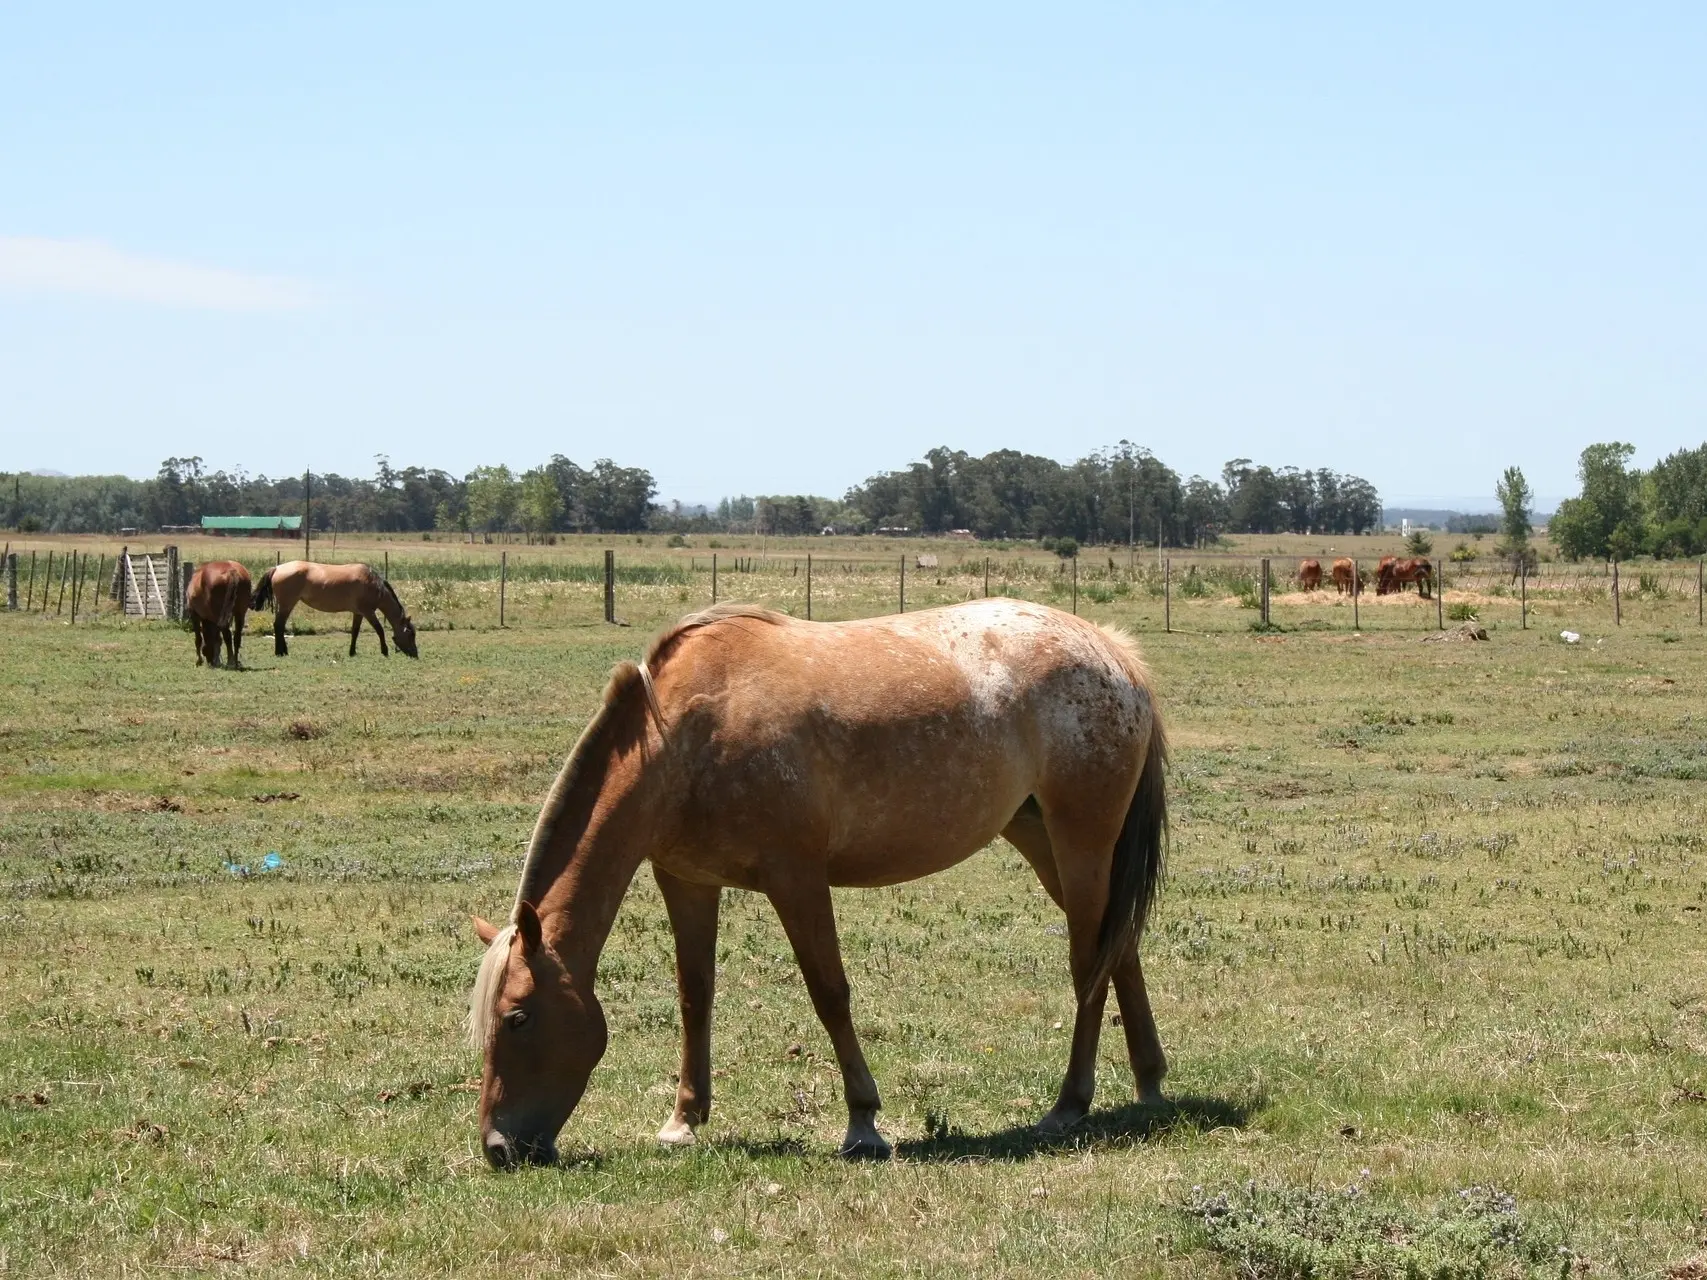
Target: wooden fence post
[[1168, 595], [903, 582], [1617, 601], [64, 574], [30, 591], [1440, 595], [503, 582], [46, 580], [986, 577], [610, 585], [808, 586], [713, 577], [388, 564]]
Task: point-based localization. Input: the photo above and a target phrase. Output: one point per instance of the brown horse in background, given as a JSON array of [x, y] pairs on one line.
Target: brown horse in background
[[1345, 576], [335, 588], [1309, 575], [1396, 574], [217, 601], [780, 756]]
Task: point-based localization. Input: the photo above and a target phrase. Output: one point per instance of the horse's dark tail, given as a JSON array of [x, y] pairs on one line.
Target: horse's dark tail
[[263, 592], [1136, 874]]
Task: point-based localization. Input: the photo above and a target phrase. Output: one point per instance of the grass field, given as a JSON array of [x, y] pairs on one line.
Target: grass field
[[1431, 966]]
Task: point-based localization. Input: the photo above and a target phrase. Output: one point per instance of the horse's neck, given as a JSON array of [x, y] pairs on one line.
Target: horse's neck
[[586, 865], [390, 607]]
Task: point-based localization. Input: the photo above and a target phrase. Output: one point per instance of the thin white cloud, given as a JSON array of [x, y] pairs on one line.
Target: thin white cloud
[[39, 265]]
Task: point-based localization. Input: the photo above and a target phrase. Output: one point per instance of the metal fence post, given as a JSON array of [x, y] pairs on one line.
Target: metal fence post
[[1699, 583], [903, 583], [808, 586], [1356, 594], [986, 577], [1617, 601], [12, 581], [1075, 585], [713, 577], [1440, 595], [1265, 591], [503, 582], [1523, 591], [610, 585]]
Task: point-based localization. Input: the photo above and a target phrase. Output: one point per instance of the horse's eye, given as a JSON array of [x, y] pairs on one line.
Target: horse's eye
[[515, 1018]]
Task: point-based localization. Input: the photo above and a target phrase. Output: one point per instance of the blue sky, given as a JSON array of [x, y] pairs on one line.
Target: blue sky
[[756, 248]]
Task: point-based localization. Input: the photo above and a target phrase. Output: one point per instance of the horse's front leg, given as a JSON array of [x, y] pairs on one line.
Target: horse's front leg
[[693, 919], [809, 919], [378, 631]]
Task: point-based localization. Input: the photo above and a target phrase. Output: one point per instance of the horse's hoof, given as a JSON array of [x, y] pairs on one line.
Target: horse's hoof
[[1152, 1097], [1060, 1120], [677, 1133], [869, 1148]]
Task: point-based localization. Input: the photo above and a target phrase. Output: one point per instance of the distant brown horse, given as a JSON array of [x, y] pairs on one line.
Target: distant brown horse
[[335, 588], [1309, 575], [780, 756], [1345, 576], [1397, 574], [217, 601]]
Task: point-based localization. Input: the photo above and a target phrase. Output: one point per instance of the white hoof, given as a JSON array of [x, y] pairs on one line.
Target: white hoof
[[677, 1133]]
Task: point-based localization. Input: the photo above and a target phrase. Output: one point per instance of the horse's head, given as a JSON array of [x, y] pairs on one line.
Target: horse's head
[[542, 1035], [404, 633]]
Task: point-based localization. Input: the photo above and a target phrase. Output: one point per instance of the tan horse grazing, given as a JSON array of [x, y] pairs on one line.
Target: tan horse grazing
[[217, 601], [335, 588], [1309, 575], [783, 757]]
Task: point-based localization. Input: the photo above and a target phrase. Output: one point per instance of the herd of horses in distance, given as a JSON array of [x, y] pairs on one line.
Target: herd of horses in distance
[[1392, 574], [749, 749]]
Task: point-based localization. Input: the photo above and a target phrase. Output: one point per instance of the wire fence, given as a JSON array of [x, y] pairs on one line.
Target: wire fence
[[1187, 592]]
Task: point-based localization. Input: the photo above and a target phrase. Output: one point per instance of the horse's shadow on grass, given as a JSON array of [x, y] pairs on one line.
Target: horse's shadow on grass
[[1130, 1125], [1126, 1126]]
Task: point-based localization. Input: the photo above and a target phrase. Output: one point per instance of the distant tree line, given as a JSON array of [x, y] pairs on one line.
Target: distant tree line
[[1623, 511], [1103, 498], [1108, 496]]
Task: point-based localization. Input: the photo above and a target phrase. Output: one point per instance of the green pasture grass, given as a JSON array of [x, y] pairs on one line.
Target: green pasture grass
[[1433, 935]]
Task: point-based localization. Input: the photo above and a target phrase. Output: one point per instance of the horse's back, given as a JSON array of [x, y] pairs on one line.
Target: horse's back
[[212, 583], [916, 735]]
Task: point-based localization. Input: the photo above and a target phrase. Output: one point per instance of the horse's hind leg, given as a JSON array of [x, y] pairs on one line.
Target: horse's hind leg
[[693, 919], [355, 630], [809, 919], [280, 613], [237, 640], [196, 635], [1027, 833]]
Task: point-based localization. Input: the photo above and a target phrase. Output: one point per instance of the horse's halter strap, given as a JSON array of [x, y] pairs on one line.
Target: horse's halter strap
[[651, 695]]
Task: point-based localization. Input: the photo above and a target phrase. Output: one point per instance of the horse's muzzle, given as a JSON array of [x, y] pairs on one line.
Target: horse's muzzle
[[508, 1153]]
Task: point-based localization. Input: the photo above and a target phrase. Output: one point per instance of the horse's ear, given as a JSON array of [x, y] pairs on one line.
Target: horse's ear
[[527, 925], [485, 929]]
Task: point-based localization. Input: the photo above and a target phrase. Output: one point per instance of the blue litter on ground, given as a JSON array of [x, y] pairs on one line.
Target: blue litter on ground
[[272, 862]]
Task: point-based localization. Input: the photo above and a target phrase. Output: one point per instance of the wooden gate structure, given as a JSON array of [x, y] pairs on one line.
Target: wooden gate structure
[[147, 584]]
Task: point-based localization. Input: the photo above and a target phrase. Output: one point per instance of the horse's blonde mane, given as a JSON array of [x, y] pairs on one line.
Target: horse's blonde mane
[[489, 982], [483, 1000]]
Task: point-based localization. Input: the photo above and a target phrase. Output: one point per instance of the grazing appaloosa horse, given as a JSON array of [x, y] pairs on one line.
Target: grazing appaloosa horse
[[755, 750], [217, 600], [1309, 575], [335, 588]]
